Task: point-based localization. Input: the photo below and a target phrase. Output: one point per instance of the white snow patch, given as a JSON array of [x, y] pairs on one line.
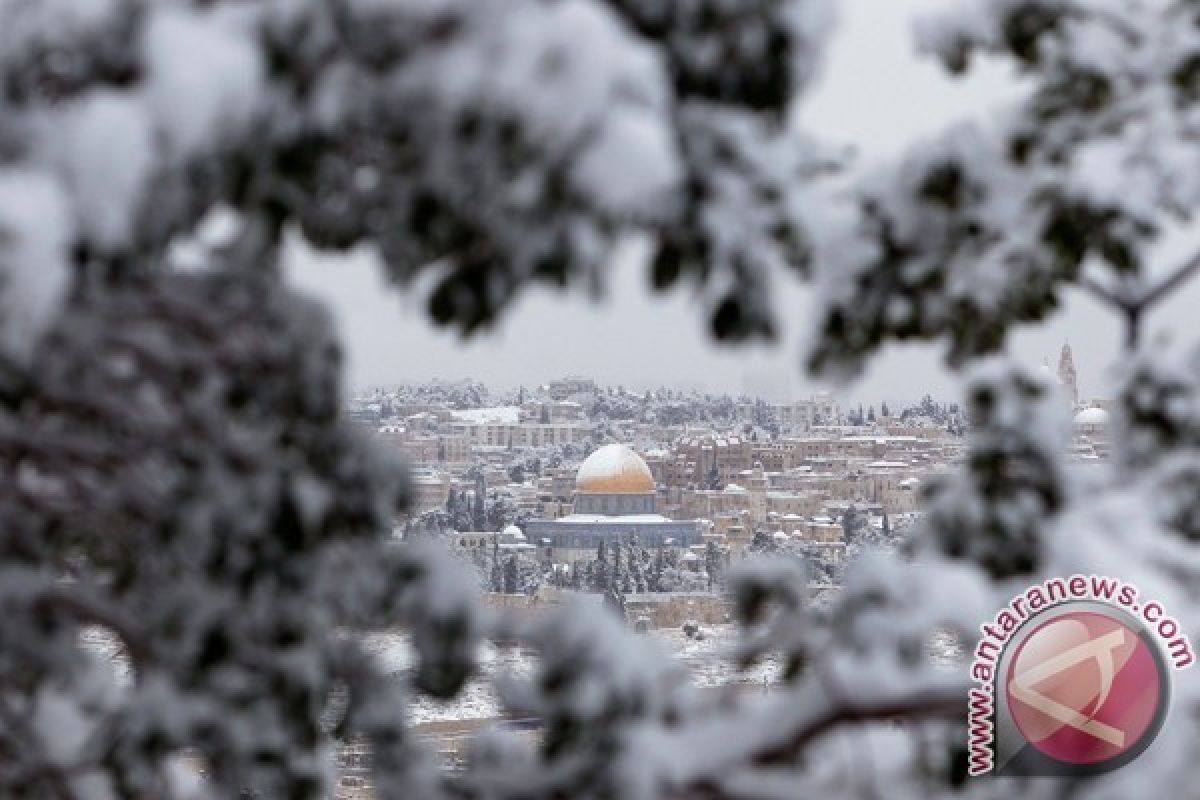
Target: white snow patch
[[204, 80], [500, 415], [103, 148], [632, 166], [61, 726], [613, 518], [35, 233]]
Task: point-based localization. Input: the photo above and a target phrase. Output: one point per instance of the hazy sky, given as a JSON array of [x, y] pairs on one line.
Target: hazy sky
[[873, 93]]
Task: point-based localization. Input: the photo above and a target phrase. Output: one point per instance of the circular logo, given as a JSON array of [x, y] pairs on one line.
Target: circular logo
[[1088, 689]]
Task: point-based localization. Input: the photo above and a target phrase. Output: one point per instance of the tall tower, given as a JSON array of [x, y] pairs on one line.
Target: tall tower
[[1066, 374]]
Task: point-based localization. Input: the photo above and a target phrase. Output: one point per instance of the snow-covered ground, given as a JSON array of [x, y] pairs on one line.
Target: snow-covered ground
[[706, 661]]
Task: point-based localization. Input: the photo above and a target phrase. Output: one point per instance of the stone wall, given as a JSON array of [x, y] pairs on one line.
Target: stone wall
[[659, 610], [672, 610]]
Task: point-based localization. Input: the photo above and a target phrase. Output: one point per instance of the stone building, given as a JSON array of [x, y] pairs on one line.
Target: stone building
[[494, 433], [1067, 376], [430, 489], [801, 415], [454, 449], [571, 387], [697, 455], [615, 499], [1092, 439]]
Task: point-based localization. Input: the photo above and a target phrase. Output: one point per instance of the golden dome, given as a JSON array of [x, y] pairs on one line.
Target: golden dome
[[614, 469]]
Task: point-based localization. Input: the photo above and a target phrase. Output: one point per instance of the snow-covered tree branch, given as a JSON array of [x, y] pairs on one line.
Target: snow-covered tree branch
[[175, 470]]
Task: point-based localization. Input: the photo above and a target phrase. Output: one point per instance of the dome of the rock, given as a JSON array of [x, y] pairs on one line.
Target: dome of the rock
[[614, 469]]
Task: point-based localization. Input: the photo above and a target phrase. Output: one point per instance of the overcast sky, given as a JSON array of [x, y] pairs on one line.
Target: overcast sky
[[875, 94]]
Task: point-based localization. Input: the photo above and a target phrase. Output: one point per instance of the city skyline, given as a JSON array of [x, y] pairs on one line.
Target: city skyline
[[1078, 391]]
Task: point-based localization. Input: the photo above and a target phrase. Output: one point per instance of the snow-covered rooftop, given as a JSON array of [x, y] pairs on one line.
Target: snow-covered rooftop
[[502, 415], [1092, 416], [575, 519]]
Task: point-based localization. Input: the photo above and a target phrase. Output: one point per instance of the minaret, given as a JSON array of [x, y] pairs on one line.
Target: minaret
[[1066, 374]]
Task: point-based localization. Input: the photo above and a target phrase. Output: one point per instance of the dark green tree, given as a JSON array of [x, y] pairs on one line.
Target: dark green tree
[[601, 572], [713, 479], [714, 564], [855, 524], [511, 580]]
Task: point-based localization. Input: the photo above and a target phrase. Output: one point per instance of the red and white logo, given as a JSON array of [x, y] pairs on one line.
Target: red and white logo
[[1073, 679], [1084, 688]]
